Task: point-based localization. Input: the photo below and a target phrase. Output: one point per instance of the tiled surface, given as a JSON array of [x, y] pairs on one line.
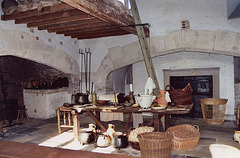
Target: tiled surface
[[44, 132]]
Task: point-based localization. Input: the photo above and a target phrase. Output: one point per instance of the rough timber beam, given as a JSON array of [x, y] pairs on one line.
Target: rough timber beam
[[144, 46], [105, 10]]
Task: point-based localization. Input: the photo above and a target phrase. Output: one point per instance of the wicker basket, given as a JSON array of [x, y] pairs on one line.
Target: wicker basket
[[184, 136], [213, 110], [133, 133], [155, 144]]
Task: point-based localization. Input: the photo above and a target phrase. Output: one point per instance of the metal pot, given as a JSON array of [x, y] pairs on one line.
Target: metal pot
[[120, 140], [81, 98], [86, 136]]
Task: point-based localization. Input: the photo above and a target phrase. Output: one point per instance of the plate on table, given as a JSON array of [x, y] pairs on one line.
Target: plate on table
[[159, 107]]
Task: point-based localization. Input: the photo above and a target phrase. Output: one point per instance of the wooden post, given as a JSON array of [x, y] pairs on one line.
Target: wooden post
[[144, 46], [76, 125]]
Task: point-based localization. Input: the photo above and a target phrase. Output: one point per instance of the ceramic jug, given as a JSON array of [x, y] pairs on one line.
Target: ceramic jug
[[110, 130], [92, 127], [161, 99], [145, 101]]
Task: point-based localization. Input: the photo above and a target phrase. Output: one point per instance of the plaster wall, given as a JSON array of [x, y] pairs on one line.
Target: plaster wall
[[188, 60]]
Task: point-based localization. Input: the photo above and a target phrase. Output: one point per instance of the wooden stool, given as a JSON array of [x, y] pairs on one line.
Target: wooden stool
[[66, 120], [21, 113], [238, 116]]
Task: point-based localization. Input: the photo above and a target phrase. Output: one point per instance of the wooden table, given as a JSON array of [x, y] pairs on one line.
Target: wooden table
[[94, 113]]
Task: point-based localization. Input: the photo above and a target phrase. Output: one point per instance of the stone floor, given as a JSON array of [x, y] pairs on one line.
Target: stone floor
[[215, 141]]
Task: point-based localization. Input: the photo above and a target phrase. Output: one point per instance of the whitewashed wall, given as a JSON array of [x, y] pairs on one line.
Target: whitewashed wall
[[188, 60]]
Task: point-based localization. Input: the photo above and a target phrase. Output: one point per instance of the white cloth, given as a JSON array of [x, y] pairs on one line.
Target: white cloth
[[137, 119], [150, 85], [106, 116], [167, 97]]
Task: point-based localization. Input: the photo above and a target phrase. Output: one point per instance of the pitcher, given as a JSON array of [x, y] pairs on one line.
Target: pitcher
[[161, 99], [110, 130], [92, 127]]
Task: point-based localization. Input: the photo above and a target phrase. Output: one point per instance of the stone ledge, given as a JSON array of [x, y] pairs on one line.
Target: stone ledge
[[45, 91]]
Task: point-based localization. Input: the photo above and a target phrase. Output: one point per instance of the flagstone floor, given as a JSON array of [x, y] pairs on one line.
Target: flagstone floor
[[215, 141]]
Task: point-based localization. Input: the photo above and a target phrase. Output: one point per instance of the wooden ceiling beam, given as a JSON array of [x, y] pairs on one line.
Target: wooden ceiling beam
[[43, 17], [104, 10], [112, 31], [59, 25], [88, 29], [35, 12], [59, 20], [90, 22], [102, 35]]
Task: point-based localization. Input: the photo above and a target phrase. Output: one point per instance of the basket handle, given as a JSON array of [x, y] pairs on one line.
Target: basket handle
[[196, 126], [188, 87], [170, 87], [130, 129]]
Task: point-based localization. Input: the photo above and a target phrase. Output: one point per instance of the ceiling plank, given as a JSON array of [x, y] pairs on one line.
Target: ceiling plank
[[59, 20], [100, 35], [75, 27], [35, 12], [105, 10], [86, 28], [78, 22], [43, 17], [92, 29], [88, 33]]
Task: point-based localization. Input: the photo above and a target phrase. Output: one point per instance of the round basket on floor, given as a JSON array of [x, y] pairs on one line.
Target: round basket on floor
[[155, 145], [184, 136], [213, 110]]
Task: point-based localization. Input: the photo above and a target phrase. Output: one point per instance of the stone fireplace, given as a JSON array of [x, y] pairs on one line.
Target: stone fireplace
[[18, 76]]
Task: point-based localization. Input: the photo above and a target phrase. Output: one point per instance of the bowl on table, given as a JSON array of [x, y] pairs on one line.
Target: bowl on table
[[103, 102]]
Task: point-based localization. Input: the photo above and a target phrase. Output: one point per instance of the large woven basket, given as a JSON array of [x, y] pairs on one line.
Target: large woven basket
[[213, 110], [184, 136], [155, 145], [133, 133], [180, 97]]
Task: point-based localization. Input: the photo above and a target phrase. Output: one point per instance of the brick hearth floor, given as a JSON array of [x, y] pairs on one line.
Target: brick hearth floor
[[45, 133]]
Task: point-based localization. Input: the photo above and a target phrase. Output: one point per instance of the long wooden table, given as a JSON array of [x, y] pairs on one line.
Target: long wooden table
[[94, 113]]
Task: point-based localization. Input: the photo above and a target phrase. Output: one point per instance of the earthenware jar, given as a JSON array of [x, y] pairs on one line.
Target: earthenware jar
[[161, 100]]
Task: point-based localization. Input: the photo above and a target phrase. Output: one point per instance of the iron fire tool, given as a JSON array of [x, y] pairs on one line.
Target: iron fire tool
[[82, 61], [89, 70], [86, 68]]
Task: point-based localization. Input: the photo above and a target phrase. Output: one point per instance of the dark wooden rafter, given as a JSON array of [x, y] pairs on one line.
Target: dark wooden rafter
[[106, 11], [82, 19], [73, 28], [67, 24]]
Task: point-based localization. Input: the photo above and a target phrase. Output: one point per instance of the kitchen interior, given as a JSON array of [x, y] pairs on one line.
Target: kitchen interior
[[42, 81]]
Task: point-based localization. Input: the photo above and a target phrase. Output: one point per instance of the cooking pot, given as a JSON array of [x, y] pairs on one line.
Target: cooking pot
[[86, 136], [81, 98], [120, 140]]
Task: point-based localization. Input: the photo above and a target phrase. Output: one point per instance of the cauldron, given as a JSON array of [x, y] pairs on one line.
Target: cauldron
[[81, 98], [120, 140]]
